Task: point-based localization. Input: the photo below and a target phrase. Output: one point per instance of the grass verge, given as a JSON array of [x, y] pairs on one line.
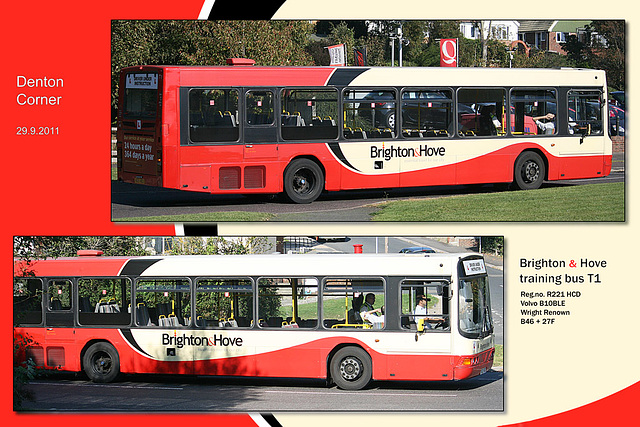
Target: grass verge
[[597, 202], [498, 356], [203, 217]]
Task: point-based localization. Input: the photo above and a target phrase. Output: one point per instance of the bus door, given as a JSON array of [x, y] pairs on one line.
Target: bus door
[[260, 127], [581, 156], [59, 339], [426, 329], [139, 138]]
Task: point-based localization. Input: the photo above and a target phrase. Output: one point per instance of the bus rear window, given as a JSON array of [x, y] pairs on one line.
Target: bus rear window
[[141, 95]]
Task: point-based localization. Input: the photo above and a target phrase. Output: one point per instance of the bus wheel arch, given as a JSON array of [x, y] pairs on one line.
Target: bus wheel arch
[[303, 179], [530, 170], [350, 367], [100, 361]]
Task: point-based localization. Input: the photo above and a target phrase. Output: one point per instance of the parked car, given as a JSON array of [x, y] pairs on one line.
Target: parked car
[[619, 97], [616, 120], [429, 111], [417, 249]]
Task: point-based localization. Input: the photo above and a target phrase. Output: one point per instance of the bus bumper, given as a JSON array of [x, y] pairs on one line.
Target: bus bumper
[[473, 365], [608, 163]]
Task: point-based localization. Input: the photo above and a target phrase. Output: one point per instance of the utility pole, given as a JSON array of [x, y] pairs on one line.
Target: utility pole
[[393, 52], [400, 43], [397, 35]]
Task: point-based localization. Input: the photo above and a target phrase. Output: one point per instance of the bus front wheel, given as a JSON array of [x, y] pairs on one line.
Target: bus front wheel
[[351, 368], [529, 171], [101, 362], [303, 181]]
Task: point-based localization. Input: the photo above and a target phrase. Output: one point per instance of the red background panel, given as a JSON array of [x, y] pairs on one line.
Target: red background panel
[[60, 184]]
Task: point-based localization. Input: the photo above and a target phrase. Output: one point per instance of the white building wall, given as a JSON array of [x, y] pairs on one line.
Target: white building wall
[[500, 30]]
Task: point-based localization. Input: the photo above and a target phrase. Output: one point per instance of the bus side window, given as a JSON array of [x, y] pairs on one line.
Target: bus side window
[[224, 303], [59, 295], [427, 113], [369, 114], [213, 115], [309, 114], [290, 302], [353, 303], [104, 301], [533, 112], [163, 302], [481, 112], [585, 112], [424, 306], [27, 301], [259, 107]]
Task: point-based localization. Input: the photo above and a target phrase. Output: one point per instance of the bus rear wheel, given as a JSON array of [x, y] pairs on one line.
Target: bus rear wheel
[[351, 368], [303, 181], [529, 171], [101, 362]]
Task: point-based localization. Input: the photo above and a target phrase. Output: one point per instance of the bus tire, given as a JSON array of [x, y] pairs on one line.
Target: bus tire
[[351, 368], [101, 362], [303, 181], [529, 171]]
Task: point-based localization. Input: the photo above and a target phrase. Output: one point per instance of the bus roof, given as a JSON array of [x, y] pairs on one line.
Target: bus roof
[[249, 265], [379, 76]]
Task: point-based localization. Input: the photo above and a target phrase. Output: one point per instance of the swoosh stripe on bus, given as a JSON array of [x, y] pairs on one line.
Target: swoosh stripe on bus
[[344, 76], [337, 152], [135, 267], [128, 336]]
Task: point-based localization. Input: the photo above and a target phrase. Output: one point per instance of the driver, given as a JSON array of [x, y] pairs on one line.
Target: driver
[[420, 312]]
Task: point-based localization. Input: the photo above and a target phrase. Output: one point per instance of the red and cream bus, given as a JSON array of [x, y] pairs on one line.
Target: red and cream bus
[[244, 315], [302, 130]]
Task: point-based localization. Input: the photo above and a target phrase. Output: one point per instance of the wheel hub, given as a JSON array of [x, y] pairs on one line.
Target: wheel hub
[[102, 364], [350, 368], [301, 183], [531, 171]]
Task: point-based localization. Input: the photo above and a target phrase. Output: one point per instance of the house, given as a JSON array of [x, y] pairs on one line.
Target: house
[[549, 35], [546, 35], [506, 31]]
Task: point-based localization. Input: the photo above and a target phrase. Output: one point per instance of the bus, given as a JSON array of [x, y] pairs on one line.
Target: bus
[[269, 315], [246, 129]]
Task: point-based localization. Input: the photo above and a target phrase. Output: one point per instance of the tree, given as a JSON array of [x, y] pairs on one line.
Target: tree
[[602, 47], [539, 59], [492, 244], [344, 34], [206, 43], [31, 248], [608, 50], [219, 246]]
